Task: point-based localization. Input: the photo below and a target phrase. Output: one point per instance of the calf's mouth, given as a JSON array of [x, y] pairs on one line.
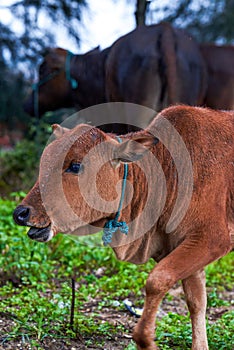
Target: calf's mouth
[[22, 216], [42, 234]]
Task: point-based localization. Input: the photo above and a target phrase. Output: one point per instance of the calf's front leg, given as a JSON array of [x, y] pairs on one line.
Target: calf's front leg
[[195, 293]]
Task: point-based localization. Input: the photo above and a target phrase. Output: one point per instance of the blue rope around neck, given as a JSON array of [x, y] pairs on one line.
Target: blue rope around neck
[[113, 225], [35, 87], [74, 83]]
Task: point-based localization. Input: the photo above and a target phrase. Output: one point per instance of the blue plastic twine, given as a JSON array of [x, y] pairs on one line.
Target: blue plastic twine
[[74, 83], [113, 225]]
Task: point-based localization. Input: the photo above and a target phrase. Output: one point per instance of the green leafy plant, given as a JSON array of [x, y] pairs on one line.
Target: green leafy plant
[[35, 292]]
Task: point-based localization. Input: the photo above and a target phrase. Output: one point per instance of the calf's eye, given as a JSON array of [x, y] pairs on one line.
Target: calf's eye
[[74, 168]]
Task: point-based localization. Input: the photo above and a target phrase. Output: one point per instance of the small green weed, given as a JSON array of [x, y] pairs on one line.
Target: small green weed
[[213, 299], [220, 270], [131, 346], [220, 333]]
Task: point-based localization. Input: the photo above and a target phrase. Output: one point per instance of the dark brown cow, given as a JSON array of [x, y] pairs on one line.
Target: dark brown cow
[[156, 66], [153, 66], [56, 74], [220, 66], [183, 230]]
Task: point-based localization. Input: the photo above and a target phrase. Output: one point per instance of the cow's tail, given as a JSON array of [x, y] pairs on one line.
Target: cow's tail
[[168, 50]]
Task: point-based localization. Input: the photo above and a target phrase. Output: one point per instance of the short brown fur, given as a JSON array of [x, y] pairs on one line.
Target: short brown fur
[[205, 233]]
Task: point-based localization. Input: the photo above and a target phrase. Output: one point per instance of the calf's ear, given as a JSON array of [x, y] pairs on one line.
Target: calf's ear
[[134, 149], [58, 130]]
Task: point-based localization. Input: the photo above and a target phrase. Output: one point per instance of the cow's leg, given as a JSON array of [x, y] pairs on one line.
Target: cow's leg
[[191, 256], [195, 293]]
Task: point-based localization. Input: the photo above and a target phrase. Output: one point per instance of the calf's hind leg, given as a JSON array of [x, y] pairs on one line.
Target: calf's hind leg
[[184, 261], [195, 293]]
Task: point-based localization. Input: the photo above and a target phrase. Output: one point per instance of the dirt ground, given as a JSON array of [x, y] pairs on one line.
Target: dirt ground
[[118, 341]]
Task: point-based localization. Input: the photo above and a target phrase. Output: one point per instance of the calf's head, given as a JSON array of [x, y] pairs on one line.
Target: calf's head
[[79, 185]]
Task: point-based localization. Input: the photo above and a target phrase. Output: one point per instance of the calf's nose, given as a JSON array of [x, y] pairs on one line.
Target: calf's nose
[[21, 215]]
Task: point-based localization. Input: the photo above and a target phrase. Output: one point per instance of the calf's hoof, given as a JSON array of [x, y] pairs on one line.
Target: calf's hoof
[[151, 346], [143, 343]]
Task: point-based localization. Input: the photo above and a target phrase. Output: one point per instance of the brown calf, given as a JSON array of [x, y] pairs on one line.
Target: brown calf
[[178, 202]]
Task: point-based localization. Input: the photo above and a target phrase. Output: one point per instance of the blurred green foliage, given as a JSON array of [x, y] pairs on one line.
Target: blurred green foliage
[[20, 53], [25, 45], [19, 167], [207, 21]]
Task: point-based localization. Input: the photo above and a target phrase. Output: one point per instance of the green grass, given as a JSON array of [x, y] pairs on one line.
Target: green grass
[[36, 290]]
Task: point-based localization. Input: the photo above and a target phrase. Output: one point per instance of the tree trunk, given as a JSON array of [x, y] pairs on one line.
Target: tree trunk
[[140, 13]]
